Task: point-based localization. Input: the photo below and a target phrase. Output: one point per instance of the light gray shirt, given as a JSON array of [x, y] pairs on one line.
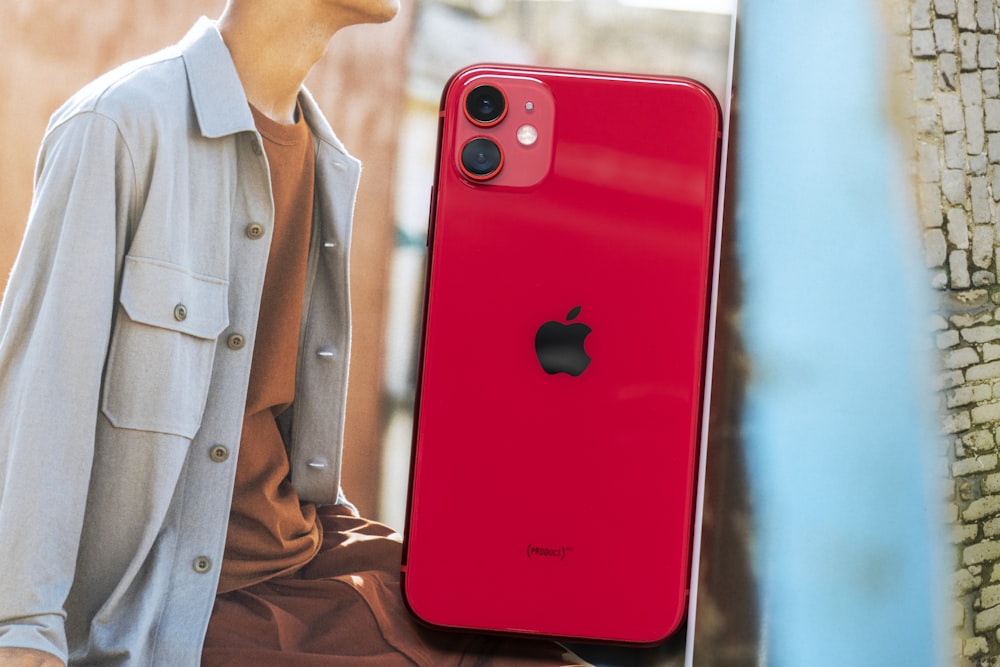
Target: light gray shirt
[[126, 335]]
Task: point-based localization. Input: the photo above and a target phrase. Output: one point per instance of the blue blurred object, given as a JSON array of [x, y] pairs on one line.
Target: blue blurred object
[[837, 424]]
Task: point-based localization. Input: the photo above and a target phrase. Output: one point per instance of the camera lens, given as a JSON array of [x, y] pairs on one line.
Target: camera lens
[[485, 105], [481, 158]]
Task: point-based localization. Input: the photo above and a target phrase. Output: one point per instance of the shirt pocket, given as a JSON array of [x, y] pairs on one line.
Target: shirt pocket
[[163, 347]]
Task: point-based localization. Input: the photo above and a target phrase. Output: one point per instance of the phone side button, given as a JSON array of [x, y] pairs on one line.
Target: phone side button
[[431, 215]]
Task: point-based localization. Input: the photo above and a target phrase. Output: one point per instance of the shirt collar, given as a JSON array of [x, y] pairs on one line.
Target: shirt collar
[[216, 91], [217, 94]]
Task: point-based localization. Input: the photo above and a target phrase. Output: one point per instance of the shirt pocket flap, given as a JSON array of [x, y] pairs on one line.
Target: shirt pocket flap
[[168, 296]]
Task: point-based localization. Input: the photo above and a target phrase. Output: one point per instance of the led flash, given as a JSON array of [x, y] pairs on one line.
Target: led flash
[[527, 135], [529, 106]]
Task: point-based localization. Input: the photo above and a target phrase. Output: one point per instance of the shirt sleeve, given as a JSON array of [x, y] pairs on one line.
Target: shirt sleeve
[[55, 323]]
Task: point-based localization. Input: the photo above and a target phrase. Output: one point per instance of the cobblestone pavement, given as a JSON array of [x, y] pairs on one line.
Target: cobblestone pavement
[[953, 76]]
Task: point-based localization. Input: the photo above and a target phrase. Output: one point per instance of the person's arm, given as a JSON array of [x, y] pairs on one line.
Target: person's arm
[[55, 324]]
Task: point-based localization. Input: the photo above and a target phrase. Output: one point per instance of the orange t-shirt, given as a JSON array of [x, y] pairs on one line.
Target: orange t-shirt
[[270, 531]]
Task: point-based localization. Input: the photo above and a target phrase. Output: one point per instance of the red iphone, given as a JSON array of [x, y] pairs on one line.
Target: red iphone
[[564, 347]]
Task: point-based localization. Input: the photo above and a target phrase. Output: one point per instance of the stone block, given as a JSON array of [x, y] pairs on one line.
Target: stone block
[[966, 581], [964, 533], [958, 221], [923, 80], [983, 278], [991, 82], [953, 188], [991, 528], [991, 352], [975, 131], [947, 339], [986, 551], [935, 248], [955, 153], [968, 50], [961, 358], [989, 596], [952, 114], [979, 193], [993, 151], [978, 164], [926, 117], [990, 371], [922, 44], [991, 108], [966, 395], [987, 51], [920, 14], [981, 334], [944, 7], [984, 414], [947, 380], [958, 270], [956, 422], [971, 87], [971, 319], [945, 35], [986, 620], [939, 280], [985, 19], [979, 441], [967, 14], [948, 71], [991, 484], [982, 242], [929, 198]]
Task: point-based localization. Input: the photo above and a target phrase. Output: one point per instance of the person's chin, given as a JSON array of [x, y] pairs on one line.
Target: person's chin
[[375, 11]]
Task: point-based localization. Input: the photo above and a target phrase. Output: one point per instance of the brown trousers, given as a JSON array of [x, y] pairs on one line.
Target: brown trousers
[[344, 609]]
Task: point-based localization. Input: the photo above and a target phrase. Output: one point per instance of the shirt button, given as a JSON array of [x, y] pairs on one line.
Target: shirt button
[[202, 564], [180, 312], [255, 230], [236, 341], [219, 453]]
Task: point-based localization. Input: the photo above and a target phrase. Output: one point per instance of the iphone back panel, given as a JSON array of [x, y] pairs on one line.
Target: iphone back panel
[[562, 364]]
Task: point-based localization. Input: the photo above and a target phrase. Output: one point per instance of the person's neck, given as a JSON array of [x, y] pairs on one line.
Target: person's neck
[[273, 53]]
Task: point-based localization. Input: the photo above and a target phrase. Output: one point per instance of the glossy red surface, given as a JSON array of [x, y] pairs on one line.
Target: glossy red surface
[[560, 504]]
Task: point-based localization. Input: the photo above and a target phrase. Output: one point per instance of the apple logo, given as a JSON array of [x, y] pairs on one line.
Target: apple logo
[[559, 346]]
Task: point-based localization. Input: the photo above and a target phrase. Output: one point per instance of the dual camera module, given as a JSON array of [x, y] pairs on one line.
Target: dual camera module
[[482, 157]]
